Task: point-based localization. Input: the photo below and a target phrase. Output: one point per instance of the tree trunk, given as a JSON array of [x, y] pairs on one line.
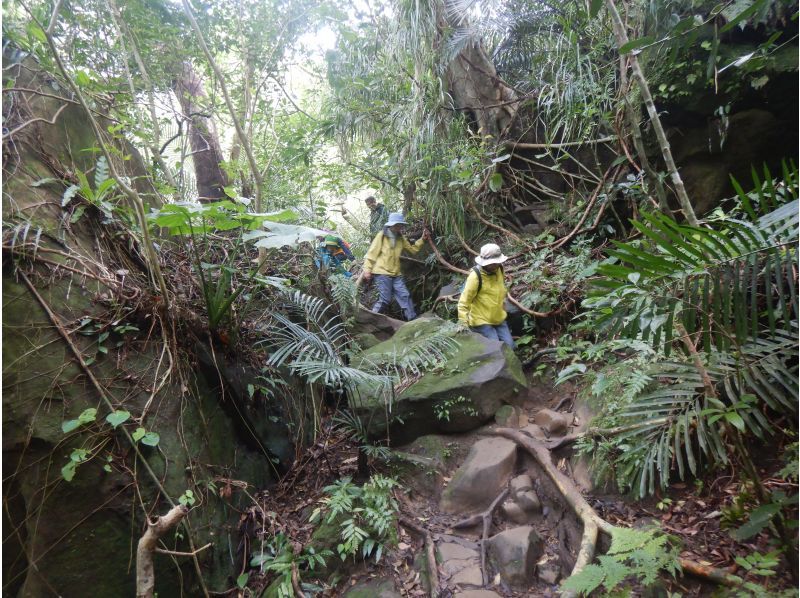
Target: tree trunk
[[477, 90], [203, 139]]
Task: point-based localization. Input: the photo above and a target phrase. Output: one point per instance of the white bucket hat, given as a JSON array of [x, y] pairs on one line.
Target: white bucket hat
[[395, 218], [490, 254]]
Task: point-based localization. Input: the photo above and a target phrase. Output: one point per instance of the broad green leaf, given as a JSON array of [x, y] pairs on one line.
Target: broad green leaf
[[742, 16], [68, 471], [241, 581], [77, 214], [151, 439], [69, 194], [496, 182], [736, 420], [594, 8], [635, 44], [117, 418], [79, 455], [138, 434], [69, 425], [280, 235], [88, 415]]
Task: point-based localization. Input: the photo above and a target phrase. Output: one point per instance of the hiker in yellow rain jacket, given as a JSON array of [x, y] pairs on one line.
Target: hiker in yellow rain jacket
[[481, 303], [383, 260]]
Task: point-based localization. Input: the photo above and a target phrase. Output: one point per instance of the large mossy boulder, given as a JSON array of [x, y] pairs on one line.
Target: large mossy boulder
[[70, 532], [460, 394]]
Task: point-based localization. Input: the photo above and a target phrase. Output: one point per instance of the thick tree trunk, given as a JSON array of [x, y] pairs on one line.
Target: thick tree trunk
[[203, 139], [477, 90]]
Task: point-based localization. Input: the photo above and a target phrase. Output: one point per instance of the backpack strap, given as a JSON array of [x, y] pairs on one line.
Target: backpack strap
[[477, 270]]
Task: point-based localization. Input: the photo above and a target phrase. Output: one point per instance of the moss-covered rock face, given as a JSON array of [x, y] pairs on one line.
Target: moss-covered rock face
[[462, 393], [82, 532], [374, 588], [422, 464]]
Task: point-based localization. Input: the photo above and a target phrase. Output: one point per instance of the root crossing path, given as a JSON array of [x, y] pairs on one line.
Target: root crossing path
[[508, 520], [505, 521]]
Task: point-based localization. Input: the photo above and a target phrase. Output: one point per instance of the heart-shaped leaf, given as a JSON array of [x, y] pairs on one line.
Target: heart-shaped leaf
[[151, 439], [117, 418], [88, 415], [138, 434]]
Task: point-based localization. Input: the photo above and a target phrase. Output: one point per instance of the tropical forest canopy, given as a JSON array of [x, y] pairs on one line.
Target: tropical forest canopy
[[179, 161]]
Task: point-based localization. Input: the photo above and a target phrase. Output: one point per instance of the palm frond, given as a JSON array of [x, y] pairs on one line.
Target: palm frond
[[716, 283]]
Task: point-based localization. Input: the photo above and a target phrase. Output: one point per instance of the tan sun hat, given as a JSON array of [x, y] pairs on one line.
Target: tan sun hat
[[490, 254]]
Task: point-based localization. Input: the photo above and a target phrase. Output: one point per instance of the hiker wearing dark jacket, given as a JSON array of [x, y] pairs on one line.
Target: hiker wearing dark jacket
[[377, 216], [481, 303]]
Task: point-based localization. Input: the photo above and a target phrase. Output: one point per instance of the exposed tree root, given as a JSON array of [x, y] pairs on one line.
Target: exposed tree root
[[298, 591], [430, 553], [592, 522], [486, 518], [145, 574], [709, 573]]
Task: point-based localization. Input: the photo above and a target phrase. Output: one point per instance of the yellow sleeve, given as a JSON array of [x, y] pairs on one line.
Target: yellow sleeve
[[373, 252], [467, 295], [415, 247]]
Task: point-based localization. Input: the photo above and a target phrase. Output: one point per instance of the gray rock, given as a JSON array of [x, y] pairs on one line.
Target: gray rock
[[514, 513], [374, 588], [477, 594], [514, 553], [552, 422], [535, 432], [529, 501], [378, 325], [507, 417], [470, 576], [520, 484], [475, 381], [549, 573], [421, 465], [481, 477], [450, 551]]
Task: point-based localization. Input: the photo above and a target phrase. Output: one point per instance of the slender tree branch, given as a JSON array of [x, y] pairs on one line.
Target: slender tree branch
[[520, 145], [644, 89], [52, 121]]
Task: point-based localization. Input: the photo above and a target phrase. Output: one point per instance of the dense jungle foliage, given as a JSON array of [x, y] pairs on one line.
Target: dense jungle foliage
[[169, 168]]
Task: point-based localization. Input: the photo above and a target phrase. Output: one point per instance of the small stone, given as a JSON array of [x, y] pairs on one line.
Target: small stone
[[451, 551], [471, 576], [529, 501], [477, 594], [520, 484], [514, 513], [549, 574], [507, 417], [515, 552], [552, 422]]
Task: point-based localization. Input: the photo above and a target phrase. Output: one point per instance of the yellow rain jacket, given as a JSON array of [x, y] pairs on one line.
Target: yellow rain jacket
[[382, 258], [484, 307]]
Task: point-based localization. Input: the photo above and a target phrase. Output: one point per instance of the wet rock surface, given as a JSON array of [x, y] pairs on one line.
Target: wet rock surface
[[476, 380], [480, 479]]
